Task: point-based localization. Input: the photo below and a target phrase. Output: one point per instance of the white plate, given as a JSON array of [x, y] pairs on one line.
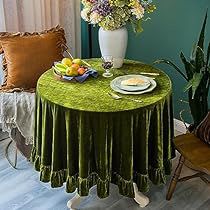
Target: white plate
[[117, 89], [144, 86]]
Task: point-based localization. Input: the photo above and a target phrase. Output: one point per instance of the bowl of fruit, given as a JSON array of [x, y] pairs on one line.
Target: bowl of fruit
[[70, 69]]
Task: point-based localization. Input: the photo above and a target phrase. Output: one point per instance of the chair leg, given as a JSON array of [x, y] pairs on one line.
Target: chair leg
[[175, 178], [13, 164], [4, 139]]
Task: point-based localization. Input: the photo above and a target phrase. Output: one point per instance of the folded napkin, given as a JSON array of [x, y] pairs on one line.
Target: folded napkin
[[82, 78]]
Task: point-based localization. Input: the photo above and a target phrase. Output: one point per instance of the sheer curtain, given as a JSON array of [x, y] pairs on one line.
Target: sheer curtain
[[37, 15]]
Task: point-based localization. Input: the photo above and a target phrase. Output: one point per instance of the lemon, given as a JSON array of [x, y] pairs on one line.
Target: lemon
[[67, 61], [71, 71]]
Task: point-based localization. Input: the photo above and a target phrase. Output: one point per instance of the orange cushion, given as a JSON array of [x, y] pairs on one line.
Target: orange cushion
[[28, 55]]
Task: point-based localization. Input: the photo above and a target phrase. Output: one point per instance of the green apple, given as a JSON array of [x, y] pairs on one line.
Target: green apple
[[78, 61]]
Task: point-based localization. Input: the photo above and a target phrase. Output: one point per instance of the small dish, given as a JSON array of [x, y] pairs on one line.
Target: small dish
[[152, 86], [119, 80]]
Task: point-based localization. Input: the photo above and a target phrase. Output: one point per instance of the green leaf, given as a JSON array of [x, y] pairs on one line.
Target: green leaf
[[192, 62], [202, 34], [171, 64], [137, 26], [188, 86], [194, 83], [189, 68], [208, 55], [193, 52], [120, 3], [199, 60], [202, 70]]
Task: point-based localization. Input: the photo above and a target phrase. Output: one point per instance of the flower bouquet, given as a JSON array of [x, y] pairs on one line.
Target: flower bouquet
[[114, 14]]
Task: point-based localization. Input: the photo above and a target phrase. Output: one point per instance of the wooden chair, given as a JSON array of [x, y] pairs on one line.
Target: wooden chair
[[12, 163], [195, 152]]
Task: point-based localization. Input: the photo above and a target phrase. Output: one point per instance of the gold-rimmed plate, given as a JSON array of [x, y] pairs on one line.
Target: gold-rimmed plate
[[115, 86]]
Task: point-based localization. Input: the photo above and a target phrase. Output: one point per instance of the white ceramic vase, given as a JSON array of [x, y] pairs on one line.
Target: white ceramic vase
[[114, 43]]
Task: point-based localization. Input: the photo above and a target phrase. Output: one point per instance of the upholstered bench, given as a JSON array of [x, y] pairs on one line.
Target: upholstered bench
[[15, 133]]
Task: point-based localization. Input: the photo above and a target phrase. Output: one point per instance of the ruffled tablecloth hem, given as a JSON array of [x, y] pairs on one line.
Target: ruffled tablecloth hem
[[57, 178]]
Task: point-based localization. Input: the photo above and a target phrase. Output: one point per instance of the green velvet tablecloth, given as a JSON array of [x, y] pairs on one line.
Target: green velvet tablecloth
[[84, 137]]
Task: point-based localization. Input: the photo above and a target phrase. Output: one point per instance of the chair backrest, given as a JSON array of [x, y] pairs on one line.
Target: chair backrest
[[203, 129], [1, 71]]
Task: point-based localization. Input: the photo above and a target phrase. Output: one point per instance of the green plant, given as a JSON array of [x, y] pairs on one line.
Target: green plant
[[197, 75]]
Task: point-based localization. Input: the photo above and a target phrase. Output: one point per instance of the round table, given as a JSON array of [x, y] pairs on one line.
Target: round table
[[84, 137]]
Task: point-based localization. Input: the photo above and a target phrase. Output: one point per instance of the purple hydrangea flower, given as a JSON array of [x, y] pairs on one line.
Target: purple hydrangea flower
[[103, 8]]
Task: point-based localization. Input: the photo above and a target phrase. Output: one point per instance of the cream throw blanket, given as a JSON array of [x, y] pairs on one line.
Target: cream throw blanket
[[17, 111]]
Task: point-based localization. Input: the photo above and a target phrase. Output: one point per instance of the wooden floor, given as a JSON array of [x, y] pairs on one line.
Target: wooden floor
[[21, 190]]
